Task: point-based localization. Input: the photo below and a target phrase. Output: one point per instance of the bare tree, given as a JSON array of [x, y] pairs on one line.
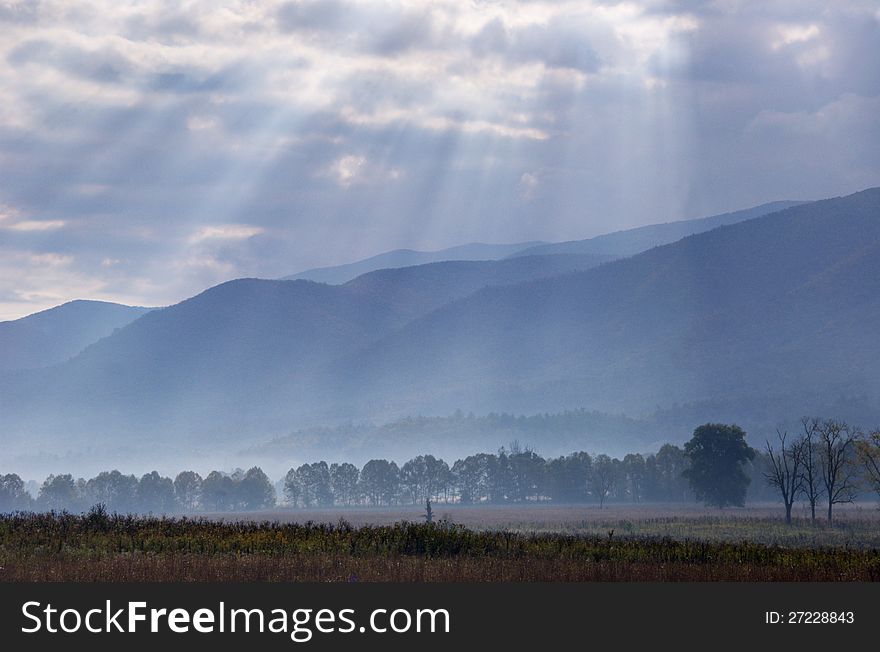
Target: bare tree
[[811, 485], [869, 455], [837, 442], [785, 470]]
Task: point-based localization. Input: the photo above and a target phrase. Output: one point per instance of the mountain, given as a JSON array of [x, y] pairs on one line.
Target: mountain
[[449, 436], [241, 353], [407, 257], [417, 290], [633, 241], [755, 322], [617, 244], [784, 305], [52, 336]]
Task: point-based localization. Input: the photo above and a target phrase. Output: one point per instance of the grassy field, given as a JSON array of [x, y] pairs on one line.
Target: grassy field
[[651, 543], [855, 526]]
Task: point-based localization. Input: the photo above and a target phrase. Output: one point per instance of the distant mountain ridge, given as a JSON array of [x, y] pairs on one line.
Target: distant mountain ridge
[[239, 347], [633, 241], [764, 319], [785, 303], [55, 335], [338, 274], [616, 244]]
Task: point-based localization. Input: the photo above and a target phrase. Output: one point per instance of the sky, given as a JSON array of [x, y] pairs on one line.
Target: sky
[[149, 150]]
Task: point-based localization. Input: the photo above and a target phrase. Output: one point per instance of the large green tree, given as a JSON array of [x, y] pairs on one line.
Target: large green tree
[[716, 455]]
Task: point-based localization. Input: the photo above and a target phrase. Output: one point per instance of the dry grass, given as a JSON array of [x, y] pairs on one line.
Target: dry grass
[[124, 548], [856, 526], [340, 568]]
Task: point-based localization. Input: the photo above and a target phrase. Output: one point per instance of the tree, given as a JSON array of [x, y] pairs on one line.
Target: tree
[[635, 476], [500, 478], [117, 492], [344, 481], [604, 477], [13, 495], [255, 491], [785, 471], [837, 443], [670, 464], [526, 474], [59, 492], [439, 477], [568, 477], [811, 484], [716, 453], [155, 494], [292, 489], [471, 478], [218, 492], [379, 482], [414, 479], [311, 483], [869, 455], [188, 490]]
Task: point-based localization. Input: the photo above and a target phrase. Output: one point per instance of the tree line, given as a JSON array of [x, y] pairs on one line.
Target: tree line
[[829, 461]]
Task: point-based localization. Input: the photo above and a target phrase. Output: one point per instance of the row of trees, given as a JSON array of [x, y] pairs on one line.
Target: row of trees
[[829, 461], [188, 492], [510, 476]]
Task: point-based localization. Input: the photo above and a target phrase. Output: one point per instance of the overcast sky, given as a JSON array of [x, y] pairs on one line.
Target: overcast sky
[[151, 149]]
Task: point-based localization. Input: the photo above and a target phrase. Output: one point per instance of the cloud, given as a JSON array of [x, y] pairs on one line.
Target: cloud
[[12, 220], [19, 11], [554, 45], [34, 225], [314, 15], [528, 185], [191, 143], [226, 232], [352, 168], [346, 170], [100, 65]]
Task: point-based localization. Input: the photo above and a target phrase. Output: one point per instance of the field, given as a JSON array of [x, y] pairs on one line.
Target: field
[[510, 543], [855, 526]]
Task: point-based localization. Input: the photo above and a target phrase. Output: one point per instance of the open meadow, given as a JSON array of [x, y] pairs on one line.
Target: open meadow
[[498, 543], [855, 526]]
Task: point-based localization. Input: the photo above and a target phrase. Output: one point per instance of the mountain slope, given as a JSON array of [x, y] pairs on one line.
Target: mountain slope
[[784, 304], [633, 241], [52, 336], [244, 351], [418, 289], [408, 257], [772, 315]]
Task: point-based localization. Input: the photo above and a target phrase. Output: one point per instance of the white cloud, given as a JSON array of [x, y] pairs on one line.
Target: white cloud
[[789, 34], [226, 232], [352, 168], [35, 225], [202, 123], [11, 220], [347, 169], [528, 185], [50, 259]]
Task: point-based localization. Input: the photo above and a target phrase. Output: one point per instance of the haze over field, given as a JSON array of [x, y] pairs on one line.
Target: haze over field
[[370, 228]]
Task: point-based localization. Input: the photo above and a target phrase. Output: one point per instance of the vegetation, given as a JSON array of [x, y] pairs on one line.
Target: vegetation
[[830, 461], [717, 453], [102, 547]]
